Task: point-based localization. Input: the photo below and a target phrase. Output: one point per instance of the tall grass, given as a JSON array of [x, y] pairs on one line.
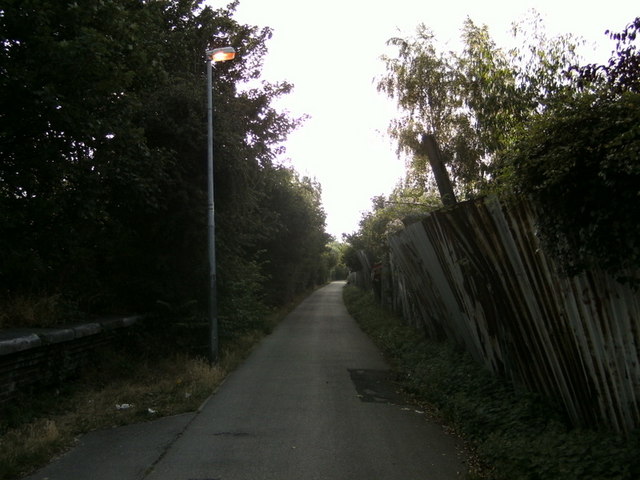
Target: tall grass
[[152, 371], [516, 435], [35, 428], [24, 311]]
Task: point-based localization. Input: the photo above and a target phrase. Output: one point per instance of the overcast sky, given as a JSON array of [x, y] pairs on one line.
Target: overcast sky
[[330, 50]]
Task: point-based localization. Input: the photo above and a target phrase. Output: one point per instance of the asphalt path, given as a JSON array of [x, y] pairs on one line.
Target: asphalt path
[[313, 401]]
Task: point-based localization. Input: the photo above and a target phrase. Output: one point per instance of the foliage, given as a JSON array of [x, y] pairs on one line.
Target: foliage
[[103, 157], [298, 245], [579, 162], [473, 100], [147, 370], [405, 205], [621, 73], [334, 258], [515, 434], [34, 311], [528, 121]]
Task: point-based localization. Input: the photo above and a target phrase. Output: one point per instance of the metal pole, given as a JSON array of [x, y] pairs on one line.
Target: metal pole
[[213, 296]]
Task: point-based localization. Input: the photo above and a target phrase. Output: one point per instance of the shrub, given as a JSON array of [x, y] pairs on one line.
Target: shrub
[[580, 165], [516, 434]]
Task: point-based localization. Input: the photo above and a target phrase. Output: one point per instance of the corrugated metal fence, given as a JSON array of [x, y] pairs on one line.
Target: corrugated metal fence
[[477, 275]]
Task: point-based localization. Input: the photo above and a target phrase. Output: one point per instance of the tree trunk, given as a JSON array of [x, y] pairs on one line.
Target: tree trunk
[[429, 147]]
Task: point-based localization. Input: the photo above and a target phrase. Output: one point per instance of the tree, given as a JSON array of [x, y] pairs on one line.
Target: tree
[[422, 82], [578, 162], [337, 268], [470, 101], [103, 156], [404, 206], [295, 249], [621, 73], [70, 93]]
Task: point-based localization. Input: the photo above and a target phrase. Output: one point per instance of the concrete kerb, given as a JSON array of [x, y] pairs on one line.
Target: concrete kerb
[[17, 340]]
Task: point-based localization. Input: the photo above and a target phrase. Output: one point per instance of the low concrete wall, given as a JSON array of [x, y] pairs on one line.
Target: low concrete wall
[[44, 357]]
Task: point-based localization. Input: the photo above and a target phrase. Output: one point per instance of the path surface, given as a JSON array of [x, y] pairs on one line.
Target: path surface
[[313, 401]]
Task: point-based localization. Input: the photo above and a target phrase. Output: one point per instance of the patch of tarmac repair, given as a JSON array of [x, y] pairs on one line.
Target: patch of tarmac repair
[[376, 386]]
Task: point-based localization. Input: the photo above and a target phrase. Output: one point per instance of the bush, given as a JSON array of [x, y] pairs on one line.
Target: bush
[[580, 165]]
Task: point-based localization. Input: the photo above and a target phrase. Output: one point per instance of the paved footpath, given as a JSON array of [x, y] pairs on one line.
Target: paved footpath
[[313, 401]]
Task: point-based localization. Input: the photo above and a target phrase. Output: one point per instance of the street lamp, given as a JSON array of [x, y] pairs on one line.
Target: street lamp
[[213, 55]]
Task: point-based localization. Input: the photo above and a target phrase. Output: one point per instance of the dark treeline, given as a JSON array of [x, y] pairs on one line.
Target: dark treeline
[[103, 162]]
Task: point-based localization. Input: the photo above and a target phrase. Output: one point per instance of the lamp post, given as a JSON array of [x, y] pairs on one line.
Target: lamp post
[[213, 55]]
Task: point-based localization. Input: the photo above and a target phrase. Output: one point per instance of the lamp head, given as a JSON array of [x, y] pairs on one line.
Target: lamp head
[[221, 54]]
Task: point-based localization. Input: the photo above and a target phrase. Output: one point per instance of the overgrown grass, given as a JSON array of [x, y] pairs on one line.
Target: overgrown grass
[[516, 435], [25, 311], [152, 371]]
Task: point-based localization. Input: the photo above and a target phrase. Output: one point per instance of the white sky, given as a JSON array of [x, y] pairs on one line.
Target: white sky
[[330, 49]]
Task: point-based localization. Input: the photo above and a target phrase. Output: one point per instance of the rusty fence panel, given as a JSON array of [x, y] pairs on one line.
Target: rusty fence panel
[[476, 274], [362, 278]]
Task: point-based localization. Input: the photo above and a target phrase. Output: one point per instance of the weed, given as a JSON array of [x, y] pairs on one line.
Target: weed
[[517, 435], [32, 443], [44, 424], [151, 371], [30, 311]]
